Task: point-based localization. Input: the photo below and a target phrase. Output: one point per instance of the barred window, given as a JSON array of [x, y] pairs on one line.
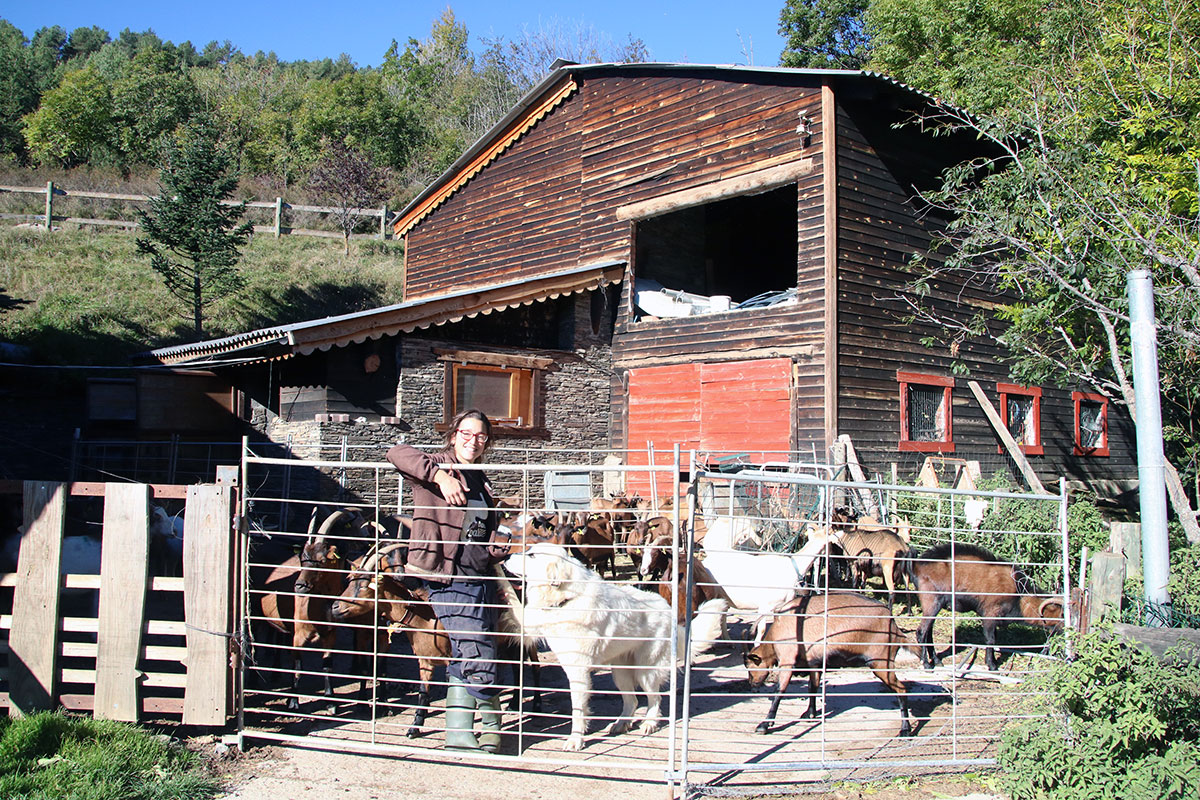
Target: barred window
[[926, 420], [1091, 424], [1021, 410]]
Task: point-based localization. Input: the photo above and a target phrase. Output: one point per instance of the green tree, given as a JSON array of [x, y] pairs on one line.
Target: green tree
[[47, 53], [18, 88], [150, 101], [83, 42], [825, 34], [1097, 177], [74, 123], [194, 239]]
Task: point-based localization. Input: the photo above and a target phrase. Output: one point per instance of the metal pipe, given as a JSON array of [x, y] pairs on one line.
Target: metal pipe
[[1148, 421]]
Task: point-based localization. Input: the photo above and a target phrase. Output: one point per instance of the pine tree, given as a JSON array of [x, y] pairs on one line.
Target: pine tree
[[194, 240]]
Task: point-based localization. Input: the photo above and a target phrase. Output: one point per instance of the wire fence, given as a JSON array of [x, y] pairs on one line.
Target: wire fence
[[681, 596]]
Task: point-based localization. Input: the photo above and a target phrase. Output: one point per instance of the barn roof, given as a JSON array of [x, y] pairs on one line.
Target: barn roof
[[303, 338], [560, 83]]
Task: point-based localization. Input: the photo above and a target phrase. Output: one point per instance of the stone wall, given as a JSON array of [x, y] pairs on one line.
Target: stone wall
[[574, 409]]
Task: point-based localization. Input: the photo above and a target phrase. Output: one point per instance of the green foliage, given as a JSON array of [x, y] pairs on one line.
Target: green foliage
[[825, 34], [74, 123], [194, 241], [150, 101], [1122, 725], [1020, 531], [18, 88], [54, 755]]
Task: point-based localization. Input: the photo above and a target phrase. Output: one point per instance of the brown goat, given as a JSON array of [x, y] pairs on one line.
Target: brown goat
[[646, 546], [872, 551], [376, 587], [590, 538], [997, 592], [830, 630]]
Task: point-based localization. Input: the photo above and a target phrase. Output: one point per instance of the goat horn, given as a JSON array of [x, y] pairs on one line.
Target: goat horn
[[334, 519], [312, 521], [1046, 602]]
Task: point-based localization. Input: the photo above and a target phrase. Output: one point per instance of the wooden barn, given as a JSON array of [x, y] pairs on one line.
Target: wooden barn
[[708, 255]]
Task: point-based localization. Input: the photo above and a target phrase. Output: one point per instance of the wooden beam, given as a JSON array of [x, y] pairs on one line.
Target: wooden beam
[[829, 166], [124, 561], [207, 547], [857, 474], [1010, 443], [1157, 641], [735, 186], [33, 639]]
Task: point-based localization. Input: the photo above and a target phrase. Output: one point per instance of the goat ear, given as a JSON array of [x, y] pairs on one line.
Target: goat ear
[[333, 553]]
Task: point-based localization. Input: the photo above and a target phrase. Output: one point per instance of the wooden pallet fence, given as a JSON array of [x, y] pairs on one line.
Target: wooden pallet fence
[[155, 647], [51, 191]]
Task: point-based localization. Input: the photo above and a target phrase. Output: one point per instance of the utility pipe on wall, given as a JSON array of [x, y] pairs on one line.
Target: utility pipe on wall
[[1152, 493]]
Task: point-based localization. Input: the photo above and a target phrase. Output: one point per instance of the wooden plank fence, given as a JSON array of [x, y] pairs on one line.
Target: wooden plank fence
[[51, 191], [156, 647]]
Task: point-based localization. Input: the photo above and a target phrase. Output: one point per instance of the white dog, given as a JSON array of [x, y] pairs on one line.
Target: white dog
[[588, 622]]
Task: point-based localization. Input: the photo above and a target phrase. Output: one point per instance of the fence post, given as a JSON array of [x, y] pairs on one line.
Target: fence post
[[383, 222], [49, 205], [278, 215]]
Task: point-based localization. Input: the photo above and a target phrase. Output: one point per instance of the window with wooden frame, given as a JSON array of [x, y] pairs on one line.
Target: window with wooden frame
[[1021, 410], [1091, 424], [505, 386], [926, 419]]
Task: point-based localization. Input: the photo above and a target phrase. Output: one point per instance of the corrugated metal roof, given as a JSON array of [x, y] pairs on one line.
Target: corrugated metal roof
[[563, 73], [302, 338]]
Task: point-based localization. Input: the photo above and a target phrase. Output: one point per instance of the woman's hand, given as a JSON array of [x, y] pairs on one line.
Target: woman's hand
[[452, 488]]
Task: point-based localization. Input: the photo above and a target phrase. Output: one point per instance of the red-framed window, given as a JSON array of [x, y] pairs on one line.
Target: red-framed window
[[1091, 424], [1021, 410], [926, 417]]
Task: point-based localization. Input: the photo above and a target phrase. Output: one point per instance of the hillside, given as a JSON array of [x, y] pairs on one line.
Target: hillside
[[86, 297]]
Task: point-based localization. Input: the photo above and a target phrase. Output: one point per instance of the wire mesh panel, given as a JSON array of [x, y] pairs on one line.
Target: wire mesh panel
[[348, 652], [820, 675]]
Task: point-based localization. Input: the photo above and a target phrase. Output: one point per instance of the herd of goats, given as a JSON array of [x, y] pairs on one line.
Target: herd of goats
[[800, 624]]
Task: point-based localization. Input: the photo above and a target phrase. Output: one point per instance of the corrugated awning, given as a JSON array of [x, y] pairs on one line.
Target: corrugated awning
[[302, 338]]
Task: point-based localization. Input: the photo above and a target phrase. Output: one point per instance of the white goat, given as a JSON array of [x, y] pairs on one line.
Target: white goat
[[757, 581]]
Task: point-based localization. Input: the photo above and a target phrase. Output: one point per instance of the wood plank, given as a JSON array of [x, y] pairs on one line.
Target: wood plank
[[720, 189], [33, 640], [207, 549], [1010, 443], [1157, 641], [829, 171], [124, 562], [1106, 583]]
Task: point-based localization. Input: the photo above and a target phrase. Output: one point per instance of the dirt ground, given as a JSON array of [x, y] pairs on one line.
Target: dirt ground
[[271, 772]]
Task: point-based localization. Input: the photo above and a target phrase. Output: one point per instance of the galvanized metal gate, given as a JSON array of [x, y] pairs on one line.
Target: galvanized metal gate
[[710, 716]]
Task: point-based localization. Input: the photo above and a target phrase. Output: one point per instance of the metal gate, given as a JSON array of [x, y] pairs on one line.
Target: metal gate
[[770, 521], [957, 710], [374, 701]]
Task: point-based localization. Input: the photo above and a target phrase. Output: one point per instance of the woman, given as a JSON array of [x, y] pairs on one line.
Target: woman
[[451, 550]]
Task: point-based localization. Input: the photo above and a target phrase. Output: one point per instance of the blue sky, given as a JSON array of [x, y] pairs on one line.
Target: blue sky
[[698, 32]]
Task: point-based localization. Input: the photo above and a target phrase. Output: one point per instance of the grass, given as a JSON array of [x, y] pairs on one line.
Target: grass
[[87, 297], [56, 755]]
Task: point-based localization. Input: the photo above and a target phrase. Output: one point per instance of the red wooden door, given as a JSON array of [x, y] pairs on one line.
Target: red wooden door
[[727, 407]]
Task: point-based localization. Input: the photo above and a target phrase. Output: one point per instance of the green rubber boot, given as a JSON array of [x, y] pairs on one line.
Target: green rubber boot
[[489, 720], [460, 717]]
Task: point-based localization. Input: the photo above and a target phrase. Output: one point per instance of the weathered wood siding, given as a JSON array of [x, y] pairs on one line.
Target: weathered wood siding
[[517, 218], [881, 225]]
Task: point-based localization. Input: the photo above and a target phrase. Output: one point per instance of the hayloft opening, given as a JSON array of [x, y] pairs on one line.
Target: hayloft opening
[[742, 247]]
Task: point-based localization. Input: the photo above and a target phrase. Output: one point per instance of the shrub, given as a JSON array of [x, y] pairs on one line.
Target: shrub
[[1121, 725]]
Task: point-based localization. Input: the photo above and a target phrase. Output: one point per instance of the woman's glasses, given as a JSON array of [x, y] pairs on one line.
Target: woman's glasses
[[467, 436]]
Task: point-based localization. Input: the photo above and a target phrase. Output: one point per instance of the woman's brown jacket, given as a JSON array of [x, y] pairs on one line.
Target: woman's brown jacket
[[435, 545]]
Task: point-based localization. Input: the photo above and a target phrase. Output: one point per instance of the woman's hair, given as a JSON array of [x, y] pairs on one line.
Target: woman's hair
[[470, 413]]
